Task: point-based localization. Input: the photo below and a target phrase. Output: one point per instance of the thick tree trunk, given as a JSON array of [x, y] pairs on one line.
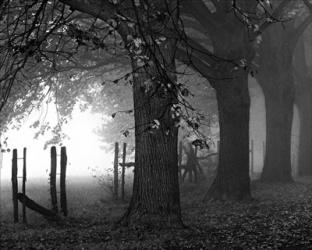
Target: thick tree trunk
[[232, 181], [279, 102], [276, 78], [304, 104], [155, 198]]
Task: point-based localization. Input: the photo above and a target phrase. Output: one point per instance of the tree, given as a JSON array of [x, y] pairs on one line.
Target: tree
[[303, 100], [225, 58], [149, 33], [276, 78]]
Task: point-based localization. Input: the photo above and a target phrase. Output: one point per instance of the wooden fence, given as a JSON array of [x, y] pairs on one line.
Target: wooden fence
[[125, 165], [25, 200]]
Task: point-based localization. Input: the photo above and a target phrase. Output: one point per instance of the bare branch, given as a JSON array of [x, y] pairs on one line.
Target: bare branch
[[201, 13], [275, 16], [300, 29], [308, 4]]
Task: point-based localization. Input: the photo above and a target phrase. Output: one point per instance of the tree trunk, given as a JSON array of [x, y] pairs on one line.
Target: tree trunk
[[155, 199], [304, 104], [232, 181], [279, 103], [276, 78]]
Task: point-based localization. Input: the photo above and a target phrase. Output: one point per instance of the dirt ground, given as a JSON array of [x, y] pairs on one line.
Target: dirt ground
[[279, 217]]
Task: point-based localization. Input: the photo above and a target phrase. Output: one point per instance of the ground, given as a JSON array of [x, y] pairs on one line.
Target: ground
[[279, 217]]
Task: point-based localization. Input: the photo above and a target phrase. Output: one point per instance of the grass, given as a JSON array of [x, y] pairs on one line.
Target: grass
[[279, 217]]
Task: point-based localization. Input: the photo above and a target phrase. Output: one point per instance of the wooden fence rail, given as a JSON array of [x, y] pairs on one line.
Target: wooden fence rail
[[26, 201]]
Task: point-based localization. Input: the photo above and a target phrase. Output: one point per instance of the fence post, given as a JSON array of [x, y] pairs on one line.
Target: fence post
[[116, 171], [53, 180], [24, 186], [124, 154], [63, 198], [197, 168], [14, 185]]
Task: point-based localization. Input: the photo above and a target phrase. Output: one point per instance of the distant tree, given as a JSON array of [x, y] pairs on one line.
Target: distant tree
[[275, 76], [303, 100]]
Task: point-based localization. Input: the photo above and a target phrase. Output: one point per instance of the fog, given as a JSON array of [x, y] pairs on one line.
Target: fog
[[258, 128], [86, 152], [84, 149]]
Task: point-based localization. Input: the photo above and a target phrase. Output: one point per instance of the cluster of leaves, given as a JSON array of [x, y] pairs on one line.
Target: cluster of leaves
[[70, 47], [68, 72]]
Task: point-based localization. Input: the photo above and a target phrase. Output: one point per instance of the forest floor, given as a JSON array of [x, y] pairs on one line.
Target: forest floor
[[279, 217]]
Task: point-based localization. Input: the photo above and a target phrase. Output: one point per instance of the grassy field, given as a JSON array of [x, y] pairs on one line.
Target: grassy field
[[84, 195], [279, 217]]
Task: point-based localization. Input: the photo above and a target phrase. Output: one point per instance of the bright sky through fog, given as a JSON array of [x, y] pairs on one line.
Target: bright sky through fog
[[83, 148]]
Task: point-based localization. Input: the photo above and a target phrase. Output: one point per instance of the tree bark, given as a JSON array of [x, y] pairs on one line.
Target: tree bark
[[232, 181], [155, 198], [276, 78], [279, 116], [232, 43], [304, 104]]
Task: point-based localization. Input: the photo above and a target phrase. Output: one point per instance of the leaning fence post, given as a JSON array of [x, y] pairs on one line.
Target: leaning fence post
[[53, 180], [116, 171], [24, 186], [63, 198], [124, 154], [14, 185]]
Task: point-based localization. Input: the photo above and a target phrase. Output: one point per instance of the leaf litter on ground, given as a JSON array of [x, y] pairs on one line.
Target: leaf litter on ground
[[278, 217]]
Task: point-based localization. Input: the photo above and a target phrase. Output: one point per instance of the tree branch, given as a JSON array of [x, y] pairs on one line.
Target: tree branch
[[276, 15], [196, 63], [308, 5], [300, 29], [101, 9], [201, 13]]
